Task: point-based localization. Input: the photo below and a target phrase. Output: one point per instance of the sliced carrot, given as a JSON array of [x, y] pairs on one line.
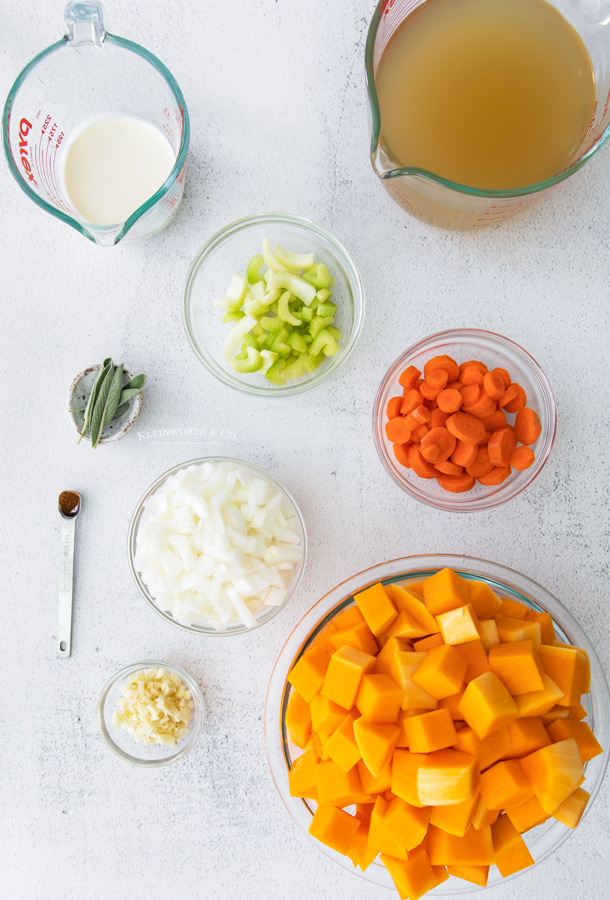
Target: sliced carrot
[[421, 432], [496, 476], [522, 458], [471, 393], [493, 382], [496, 420], [449, 400], [431, 404], [419, 464], [510, 394], [393, 407], [411, 399], [437, 445], [473, 362], [438, 418], [418, 383], [505, 376], [472, 375], [501, 445], [485, 440], [481, 466], [421, 415], [465, 427], [464, 454], [519, 402], [455, 385], [443, 362], [411, 423], [397, 430], [401, 454], [409, 377], [437, 378], [484, 406], [457, 484], [527, 426], [449, 468], [428, 392]]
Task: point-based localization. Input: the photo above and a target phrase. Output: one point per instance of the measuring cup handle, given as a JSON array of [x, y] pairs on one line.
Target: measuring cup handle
[[85, 23]]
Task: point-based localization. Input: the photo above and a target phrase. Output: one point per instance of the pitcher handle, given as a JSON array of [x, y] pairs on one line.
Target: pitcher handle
[[85, 23]]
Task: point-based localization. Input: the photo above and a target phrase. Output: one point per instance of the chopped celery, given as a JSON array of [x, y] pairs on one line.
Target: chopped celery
[[294, 262], [250, 341], [269, 357], [253, 362], [258, 331], [243, 352], [323, 295], [306, 314], [318, 323], [236, 334], [334, 332], [254, 307], [284, 311], [312, 362], [258, 292], [293, 283], [327, 309], [271, 324], [295, 368], [274, 372], [280, 337], [297, 342], [254, 267], [238, 287], [272, 296], [322, 339], [319, 276], [271, 260], [232, 316], [331, 348]]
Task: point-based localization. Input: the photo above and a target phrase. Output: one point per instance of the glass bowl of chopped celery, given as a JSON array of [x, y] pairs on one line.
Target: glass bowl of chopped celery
[[217, 546], [273, 305], [151, 713]]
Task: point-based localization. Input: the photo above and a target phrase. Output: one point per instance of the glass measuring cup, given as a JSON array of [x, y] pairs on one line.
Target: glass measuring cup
[[434, 199], [91, 73]]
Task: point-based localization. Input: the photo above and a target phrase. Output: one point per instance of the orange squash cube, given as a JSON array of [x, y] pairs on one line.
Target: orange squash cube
[[380, 837], [341, 746], [414, 876], [570, 812], [519, 630], [374, 784], [505, 785], [348, 618], [379, 698], [441, 874], [547, 629], [428, 643], [404, 666], [405, 767], [563, 729], [554, 713], [375, 605], [510, 850], [405, 601], [336, 787], [408, 824], [442, 672], [487, 706], [577, 712], [473, 849], [457, 818], [512, 609], [302, 776], [430, 731], [405, 626], [326, 716], [358, 636], [489, 750], [298, 720], [385, 656], [307, 675], [359, 844], [567, 667], [402, 716], [485, 603], [451, 703], [554, 772], [376, 742], [445, 777], [517, 666], [444, 591], [459, 625], [476, 658], [334, 827], [483, 816], [489, 633], [474, 874], [526, 736], [344, 674], [527, 815], [537, 703]]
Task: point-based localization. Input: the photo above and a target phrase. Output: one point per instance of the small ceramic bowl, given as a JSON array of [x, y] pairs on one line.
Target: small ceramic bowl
[[78, 395], [122, 743]]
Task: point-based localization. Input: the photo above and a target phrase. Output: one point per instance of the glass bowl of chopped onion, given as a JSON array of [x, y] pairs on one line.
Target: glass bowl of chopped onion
[[217, 546], [251, 300], [151, 713]]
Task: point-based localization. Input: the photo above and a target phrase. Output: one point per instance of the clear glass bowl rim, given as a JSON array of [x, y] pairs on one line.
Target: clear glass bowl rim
[[192, 734], [430, 176], [341, 595], [502, 494], [135, 521], [355, 284]]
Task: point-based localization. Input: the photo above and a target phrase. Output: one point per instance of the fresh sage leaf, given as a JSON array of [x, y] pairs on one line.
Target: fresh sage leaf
[[97, 414], [114, 395], [138, 381], [105, 368], [128, 394], [120, 410]]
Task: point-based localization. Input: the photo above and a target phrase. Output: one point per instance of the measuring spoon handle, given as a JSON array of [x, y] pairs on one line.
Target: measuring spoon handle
[[66, 581]]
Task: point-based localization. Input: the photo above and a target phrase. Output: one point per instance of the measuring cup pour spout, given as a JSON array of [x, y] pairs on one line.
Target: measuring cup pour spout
[[88, 76]]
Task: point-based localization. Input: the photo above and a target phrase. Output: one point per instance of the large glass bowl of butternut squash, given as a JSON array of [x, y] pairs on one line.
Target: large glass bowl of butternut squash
[[438, 723]]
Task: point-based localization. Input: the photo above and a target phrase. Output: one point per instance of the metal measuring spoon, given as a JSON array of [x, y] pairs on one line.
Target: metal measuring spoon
[[69, 504]]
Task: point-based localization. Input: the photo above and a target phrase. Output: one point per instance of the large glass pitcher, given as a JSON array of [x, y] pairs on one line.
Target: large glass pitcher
[[91, 73], [447, 204]]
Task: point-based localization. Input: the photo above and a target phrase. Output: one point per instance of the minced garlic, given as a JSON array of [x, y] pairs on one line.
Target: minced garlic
[[155, 707]]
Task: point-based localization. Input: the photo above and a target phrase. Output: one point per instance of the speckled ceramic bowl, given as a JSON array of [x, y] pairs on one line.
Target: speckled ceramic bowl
[[78, 396]]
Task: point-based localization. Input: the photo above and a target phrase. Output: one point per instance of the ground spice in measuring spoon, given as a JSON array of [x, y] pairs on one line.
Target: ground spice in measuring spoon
[[68, 501]]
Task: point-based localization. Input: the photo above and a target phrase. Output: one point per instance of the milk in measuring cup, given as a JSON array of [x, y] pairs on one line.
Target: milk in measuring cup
[[113, 165]]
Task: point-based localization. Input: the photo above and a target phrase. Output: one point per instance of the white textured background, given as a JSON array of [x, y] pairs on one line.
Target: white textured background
[[279, 122]]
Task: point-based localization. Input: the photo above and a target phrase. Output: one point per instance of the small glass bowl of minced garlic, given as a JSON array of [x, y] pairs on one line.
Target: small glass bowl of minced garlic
[[151, 713]]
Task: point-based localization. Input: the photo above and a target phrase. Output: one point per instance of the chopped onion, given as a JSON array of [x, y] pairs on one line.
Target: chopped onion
[[220, 545]]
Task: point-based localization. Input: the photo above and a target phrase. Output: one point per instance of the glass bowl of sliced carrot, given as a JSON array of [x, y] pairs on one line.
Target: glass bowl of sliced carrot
[[464, 420], [386, 778]]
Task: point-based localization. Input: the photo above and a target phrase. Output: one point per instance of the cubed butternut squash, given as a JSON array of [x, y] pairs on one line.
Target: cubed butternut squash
[[358, 636], [342, 747], [344, 674], [483, 816], [457, 818], [517, 666], [527, 815], [376, 742], [298, 720], [512, 609], [302, 776], [475, 848], [554, 772], [405, 767], [430, 731], [489, 633], [563, 729], [379, 698], [375, 605], [385, 656], [459, 625], [505, 784], [487, 706], [547, 629], [307, 675], [326, 716], [519, 630], [570, 812], [485, 603], [446, 777], [526, 736], [537, 703], [510, 850], [428, 643], [334, 827], [336, 787], [474, 874], [444, 591], [407, 823], [441, 673], [476, 658], [405, 601], [379, 836], [374, 784], [567, 667], [414, 876]]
